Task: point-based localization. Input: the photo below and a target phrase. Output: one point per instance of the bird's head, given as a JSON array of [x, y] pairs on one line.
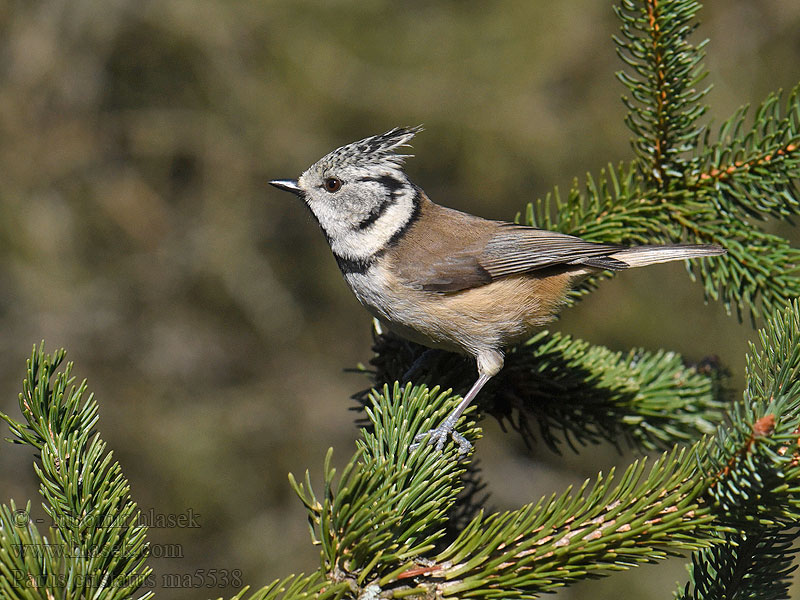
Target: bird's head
[[359, 193]]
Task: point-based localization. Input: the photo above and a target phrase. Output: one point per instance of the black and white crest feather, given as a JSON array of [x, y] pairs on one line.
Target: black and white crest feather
[[376, 149]]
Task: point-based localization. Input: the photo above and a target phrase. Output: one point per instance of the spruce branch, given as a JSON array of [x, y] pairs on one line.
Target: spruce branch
[[297, 587], [28, 560], [665, 70], [608, 208], [363, 523], [755, 486], [583, 394], [745, 478], [756, 459], [761, 271], [97, 549], [602, 527], [683, 186], [756, 565], [566, 391], [538, 548], [752, 172], [743, 178], [380, 524], [759, 274]]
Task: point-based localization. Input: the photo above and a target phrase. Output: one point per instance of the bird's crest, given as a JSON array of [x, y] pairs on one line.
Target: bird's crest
[[376, 149]]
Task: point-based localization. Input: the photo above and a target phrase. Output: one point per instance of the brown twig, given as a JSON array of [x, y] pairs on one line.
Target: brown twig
[[661, 99], [761, 428], [729, 171]]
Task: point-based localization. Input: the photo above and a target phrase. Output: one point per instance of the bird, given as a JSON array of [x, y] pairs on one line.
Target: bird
[[444, 278]]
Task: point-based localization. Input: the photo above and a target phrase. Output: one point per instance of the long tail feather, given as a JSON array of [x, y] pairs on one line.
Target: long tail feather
[[641, 256]]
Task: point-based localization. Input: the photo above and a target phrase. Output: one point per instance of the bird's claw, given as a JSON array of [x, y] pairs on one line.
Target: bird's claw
[[438, 436]]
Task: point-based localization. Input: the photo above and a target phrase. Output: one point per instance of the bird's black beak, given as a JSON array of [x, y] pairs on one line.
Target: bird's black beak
[[287, 185]]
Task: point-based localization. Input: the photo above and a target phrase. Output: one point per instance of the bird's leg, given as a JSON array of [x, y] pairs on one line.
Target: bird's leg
[[439, 435]]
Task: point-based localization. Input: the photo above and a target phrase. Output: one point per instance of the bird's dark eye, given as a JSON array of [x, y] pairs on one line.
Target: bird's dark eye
[[332, 184]]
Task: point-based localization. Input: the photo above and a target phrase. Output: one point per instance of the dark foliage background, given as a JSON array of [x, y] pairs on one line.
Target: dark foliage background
[[137, 229]]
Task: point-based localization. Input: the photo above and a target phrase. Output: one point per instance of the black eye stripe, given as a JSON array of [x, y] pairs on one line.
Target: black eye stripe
[[376, 213], [391, 183]]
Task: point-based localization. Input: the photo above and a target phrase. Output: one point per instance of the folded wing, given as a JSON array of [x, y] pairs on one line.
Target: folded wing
[[514, 249]]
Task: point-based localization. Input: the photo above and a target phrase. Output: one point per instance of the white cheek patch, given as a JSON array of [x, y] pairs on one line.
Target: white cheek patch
[[350, 242], [329, 218]]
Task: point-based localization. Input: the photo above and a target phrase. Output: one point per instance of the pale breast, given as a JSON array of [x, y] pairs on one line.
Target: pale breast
[[495, 315]]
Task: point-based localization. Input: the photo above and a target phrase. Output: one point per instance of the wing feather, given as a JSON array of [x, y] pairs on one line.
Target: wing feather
[[447, 250], [518, 249]]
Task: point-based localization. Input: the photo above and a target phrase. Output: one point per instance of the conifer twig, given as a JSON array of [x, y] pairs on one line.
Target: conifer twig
[[96, 548]]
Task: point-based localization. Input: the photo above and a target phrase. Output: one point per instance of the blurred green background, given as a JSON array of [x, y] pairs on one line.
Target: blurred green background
[[137, 229]]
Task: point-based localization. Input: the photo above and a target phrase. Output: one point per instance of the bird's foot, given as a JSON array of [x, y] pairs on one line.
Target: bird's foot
[[438, 436]]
